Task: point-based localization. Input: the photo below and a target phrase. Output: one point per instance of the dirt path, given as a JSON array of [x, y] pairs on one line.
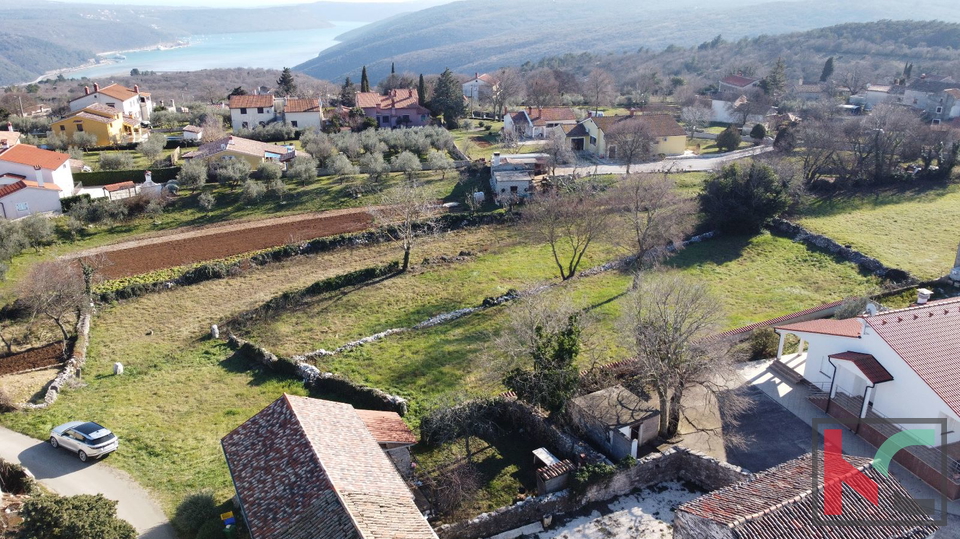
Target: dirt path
[[223, 240]]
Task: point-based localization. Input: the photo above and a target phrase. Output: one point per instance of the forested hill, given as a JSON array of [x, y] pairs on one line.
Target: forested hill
[[482, 35], [38, 36]]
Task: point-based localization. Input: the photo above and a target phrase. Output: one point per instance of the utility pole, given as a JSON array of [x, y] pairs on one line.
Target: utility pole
[[20, 101]]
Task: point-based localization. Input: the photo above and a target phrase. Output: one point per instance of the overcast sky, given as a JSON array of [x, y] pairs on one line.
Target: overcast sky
[[215, 3]]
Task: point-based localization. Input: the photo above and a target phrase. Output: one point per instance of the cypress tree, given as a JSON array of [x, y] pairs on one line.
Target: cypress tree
[[393, 68], [422, 91], [364, 81], [827, 70]]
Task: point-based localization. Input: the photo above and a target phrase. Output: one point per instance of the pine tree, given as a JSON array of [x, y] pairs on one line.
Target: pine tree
[[364, 81], [448, 99], [827, 70], [422, 91], [286, 84], [348, 93], [776, 81]]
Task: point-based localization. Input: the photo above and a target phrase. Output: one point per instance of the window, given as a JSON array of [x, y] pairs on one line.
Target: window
[[513, 188], [23, 206], [243, 110], [259, 110], [293, 123], [939, 110], [936, 122], [114, 105], [593, 141], [245, 124], [79, 127], [63, 128]]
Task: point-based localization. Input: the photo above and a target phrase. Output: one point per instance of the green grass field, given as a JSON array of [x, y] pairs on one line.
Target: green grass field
[[910, 229]]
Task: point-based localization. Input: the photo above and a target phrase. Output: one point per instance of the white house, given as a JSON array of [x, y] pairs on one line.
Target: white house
[[899, 363], [192, 132], [130, 101], [23, 197], [513, 176], [35, 165], [738, 84], [303, 113], [537, 122], [882, 93], [249, 111], [480, 86]]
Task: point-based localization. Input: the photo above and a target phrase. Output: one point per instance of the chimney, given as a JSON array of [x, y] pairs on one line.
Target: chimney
[[477, 75], [4, 145], [923, 296], [496, 159], [96, 87], [86, 90], [39, 174], [633, 112], [256, 91], [148, 177], [136, 88], [9, 126], [589, 114]]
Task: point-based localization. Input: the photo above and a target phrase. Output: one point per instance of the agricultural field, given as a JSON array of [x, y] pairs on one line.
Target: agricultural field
[[910, 229]]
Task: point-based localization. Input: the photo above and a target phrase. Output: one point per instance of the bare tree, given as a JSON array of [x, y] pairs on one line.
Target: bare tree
[[696, 117], [405, 212], [542, 88], [855, 77], [54, 290], [569, 223], [818, 147], [509, 88], [668, 321], [632, 141], [652, 214], [212, 128], [558, 150], [451, 485], [600, 87]]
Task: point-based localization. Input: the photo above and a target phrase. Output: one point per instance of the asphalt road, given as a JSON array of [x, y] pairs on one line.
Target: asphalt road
[[63, 473]]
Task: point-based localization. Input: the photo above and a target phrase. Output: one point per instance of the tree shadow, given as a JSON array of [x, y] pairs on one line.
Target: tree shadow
[[236, 363], [772, 434], [720, 250]]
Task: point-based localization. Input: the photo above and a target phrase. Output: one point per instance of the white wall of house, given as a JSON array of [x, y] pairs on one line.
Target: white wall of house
[[721, 112], [874, 98], [29, 201], [906, 396], [139, 107], [526, 129], [250, 117], [62, 176], [475, 88], [303, 120], [190, 135]]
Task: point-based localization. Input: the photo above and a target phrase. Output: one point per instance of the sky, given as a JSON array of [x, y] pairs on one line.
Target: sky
[[216, 3]]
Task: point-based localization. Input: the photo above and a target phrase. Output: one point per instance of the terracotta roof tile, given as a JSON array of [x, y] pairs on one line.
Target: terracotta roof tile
[[555, 470], [851, 327], [868, 365], [309, 469], [779, 319], [251, 101], [658, 125], [118, 186], [927, 337], [403, 98], [387, 427], [11, 188], [115, 91], [779, 503], [240, 145], [302, 105], [738, 81], [25, 154], [543, 115]]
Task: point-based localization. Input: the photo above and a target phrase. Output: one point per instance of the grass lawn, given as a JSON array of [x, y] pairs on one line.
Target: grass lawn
[[483, 143], [92, 158], [910, 229]]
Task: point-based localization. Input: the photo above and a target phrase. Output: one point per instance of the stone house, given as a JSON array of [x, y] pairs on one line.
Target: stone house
[[617, 420]]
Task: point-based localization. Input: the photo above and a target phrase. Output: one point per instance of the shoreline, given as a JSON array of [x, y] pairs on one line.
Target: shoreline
[[96, 61]]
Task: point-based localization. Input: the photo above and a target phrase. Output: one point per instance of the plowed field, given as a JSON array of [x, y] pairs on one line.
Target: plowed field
[[221, 241], [36, 358]]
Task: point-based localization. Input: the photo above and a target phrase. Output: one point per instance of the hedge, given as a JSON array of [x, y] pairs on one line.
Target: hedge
[[107, 177]]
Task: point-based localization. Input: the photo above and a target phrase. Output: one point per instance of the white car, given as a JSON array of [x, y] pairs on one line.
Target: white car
[[85, 438]]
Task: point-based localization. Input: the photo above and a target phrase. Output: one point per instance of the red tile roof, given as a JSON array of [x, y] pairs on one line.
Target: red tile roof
[[489, 79], [403, 98], [658, 125], [302, 105], [241, 145], [868, 365], [11, 188], [780, 503], [118, 186], [251, 101], [927, 337], [543, 115], [25, 154], [555, 470], [779, 319], [309, 469], [851, 327], [116, 91], [387, 427], [738, 81]]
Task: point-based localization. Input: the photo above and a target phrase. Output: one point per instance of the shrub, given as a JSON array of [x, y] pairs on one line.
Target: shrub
[[84, 140], [211, 529], [206, 272], [729, 139], [758, 132], [764, 343], [15, 480], [267, 171], [67, 202], [206, 200], [231, 171], [741, 199], [38, 230], [195, 511], [302, 169], [116, 161], [277, 188], [253, 191], [55, 517], [152, 148], [589, 474], [851, 307], [6, 405], [193, 174]]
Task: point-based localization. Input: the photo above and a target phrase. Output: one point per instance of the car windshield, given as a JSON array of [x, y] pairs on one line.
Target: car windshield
[[102, 439]]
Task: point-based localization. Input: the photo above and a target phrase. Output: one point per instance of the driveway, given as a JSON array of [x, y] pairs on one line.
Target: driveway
[[64, 474], [672, 164]]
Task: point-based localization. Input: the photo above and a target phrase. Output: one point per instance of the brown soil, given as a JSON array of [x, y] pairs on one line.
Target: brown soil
[[481, 142], [35, 358], [221, 241]]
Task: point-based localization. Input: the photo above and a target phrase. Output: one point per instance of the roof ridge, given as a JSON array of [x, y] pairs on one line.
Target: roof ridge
[[934, 303]]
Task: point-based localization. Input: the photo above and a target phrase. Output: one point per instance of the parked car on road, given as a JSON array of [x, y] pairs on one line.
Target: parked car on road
[[85, 438]]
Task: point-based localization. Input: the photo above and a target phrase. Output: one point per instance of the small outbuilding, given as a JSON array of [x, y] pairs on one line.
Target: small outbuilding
[[616, 419]]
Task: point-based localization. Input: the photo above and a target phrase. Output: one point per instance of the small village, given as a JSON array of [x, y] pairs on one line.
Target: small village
[[448, 310]]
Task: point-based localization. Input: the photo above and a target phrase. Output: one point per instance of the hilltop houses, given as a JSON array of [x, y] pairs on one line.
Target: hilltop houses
[[131, 102], [108, 124], [399, 108], [249, 111]]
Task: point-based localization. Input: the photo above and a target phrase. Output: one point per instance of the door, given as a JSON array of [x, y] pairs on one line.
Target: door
[[577, 144], [68, 439]]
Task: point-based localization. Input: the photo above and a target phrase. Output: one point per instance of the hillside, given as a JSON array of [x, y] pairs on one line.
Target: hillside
[[40, 36], [475, 35]]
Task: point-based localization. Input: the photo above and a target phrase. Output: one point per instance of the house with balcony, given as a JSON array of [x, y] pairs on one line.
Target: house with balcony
[[399, 108], [891, 364], [129, 101], [111, 126]]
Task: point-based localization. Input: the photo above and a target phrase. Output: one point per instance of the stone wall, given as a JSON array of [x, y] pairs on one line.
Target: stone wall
[[72, 366], [690, 526], [671, 465], [869, 264]]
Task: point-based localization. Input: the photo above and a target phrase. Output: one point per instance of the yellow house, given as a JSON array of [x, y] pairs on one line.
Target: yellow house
[[251, 151], [108, 124], [667, 136]]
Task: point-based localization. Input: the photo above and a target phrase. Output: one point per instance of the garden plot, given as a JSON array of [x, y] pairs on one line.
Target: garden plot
[[912, 230]]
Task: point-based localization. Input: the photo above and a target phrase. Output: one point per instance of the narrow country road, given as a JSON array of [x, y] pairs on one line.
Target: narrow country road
[[64, 474], [672, 164]]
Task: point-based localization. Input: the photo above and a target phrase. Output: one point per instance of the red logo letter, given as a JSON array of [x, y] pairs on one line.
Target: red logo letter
[[837, 471]]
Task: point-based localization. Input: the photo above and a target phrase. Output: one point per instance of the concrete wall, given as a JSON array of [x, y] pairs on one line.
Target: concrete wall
[[305, 120], [62, 176], [36, 201]]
